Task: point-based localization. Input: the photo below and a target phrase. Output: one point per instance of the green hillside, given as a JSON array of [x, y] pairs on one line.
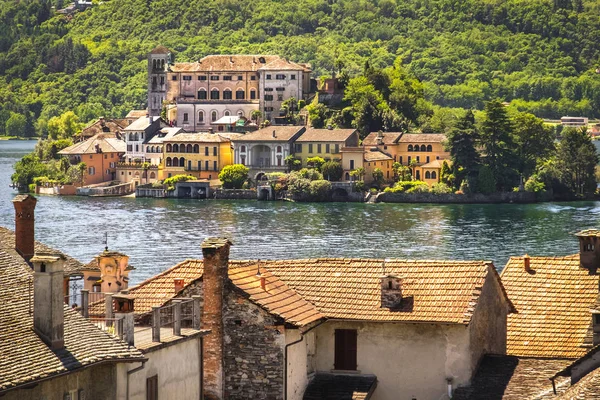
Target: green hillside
[[539, 53]]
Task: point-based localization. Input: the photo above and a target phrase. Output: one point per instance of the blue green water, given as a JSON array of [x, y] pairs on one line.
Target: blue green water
[[158, 233]]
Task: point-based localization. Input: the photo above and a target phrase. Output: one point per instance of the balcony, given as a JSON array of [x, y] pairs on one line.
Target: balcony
[[193, 100]]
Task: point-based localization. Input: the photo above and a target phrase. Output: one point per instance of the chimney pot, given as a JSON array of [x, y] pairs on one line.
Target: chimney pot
[[274, 133], [179, 284], [263, 283], [527, 263], [589, 250], [48, 298], [24, 205]]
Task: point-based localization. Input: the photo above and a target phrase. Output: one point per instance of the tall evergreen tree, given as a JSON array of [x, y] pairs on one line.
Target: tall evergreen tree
[[577, 159], [461, 144], [497, 142]]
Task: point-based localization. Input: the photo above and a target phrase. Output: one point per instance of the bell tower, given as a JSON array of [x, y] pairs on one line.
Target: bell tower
[[158, 64]]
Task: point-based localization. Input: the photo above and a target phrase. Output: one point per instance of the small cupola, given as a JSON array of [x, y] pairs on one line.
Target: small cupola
[[379, 138], [391, 291], [589, 249]]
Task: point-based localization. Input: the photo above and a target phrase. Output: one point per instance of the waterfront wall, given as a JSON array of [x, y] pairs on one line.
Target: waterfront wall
[[63, 190], [235, 194], [474, 198]]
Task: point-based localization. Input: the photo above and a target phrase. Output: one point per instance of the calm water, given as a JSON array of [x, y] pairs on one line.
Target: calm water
[[157, 234]]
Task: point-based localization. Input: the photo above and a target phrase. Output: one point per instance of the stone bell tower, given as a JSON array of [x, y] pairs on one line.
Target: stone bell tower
[[158, 64]]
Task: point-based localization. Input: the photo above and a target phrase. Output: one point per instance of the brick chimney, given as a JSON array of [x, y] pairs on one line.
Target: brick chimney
[[48, 300], [179, 283], [589, 249], [216, 259], [391, 291], [24, 225]]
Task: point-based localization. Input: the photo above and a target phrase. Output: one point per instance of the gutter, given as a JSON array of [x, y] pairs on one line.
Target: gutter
[[285, 377], [136, 369]]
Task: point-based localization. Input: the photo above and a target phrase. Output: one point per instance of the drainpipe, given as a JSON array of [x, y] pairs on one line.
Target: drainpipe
[[449, 381], [285, 377], [132, 372]]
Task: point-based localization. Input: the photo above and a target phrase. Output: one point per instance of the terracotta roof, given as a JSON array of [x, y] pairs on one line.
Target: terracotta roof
[[25, 357], [107, 126], [513, 378], [281, 64], [136, 114], [587, 388], [72, 266], [225, 63], [388, 138], [589, 232], [436, 164], [325, 135], [197, 138], [436, 291], [160, 49], [100, 143], [324, 386], [282, 134], [376, 155], [422, 138], [553, 303]]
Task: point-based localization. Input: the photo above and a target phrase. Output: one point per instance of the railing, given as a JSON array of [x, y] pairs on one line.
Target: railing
[[175, 315], [113, 326]]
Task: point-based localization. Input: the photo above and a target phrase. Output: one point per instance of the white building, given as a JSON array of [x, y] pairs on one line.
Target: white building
[[138, 133]]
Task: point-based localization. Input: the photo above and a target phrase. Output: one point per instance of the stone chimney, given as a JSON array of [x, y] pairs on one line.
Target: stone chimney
[[24, 225], [48, 301], [589, 250], [216, 259], [391, 291], [527, 263], [123, 311], [274, 133], [379, 139]]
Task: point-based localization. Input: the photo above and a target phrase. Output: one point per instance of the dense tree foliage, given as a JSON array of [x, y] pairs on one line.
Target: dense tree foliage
[[539, 54]]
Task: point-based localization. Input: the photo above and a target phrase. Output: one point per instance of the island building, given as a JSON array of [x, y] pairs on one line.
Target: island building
[[198, 94], [426, 149], [100, 153], [552, 340], [324, 143], [300, 329], [102, 125], [53, 350]]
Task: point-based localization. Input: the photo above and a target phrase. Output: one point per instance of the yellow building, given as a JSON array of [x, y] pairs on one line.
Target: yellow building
[[324, 143], [202, 155], [352, 159], [430, 172], [375, 158]]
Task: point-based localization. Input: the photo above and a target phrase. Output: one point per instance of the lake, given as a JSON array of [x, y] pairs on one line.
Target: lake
[[158, 233]]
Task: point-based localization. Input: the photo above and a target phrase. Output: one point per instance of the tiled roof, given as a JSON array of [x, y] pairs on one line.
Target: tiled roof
[[140, 124], [589, 232], [422, 138], [282, 134], [436, 164], [136, 114], [553, 303], [163, 134], [24, 357], [197, 138], [325, 135], [376, 155], [225, 63], [388, 138], [160, 49], [280, 64], [588, 388], [326, 386], [72, 266], [105, 142], [513, 378], [108, 126]]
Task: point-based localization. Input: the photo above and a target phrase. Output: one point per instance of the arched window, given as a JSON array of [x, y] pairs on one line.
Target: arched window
[[188, 148], [433, 175], [239, 94], [423, 147], [279, 149], [182, 162], [243, 149], [214, 94], [347, 176], [202, 94], [162, 64], [175, 148], [175, 162], [429, 148], [169, 148], [168, 161], [410, 147], [201, 117], [416, 147], [147, 149], [227, 113], [196, 149], [213, 116], [427, 175], [227, 95]]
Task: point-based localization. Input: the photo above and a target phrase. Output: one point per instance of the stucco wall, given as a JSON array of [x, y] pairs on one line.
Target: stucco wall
[[178, 370], [297, 362], [409, 360], [488, 324], [98, 383]]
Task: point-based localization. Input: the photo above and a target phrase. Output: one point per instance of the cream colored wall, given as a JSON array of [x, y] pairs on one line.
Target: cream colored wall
[[409, 360], [180, 87], [178, 370], [331, 155], [385, 166], [356, 156], [297, 359]]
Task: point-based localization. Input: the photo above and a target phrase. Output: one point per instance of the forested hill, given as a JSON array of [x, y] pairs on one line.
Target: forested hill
[[541, 53]]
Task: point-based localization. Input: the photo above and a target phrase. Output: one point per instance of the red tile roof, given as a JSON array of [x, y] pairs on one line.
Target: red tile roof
[[100, 143]]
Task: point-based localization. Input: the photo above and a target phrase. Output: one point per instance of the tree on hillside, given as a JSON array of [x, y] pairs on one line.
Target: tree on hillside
[[16, 125], [534, 142], [233, 176], [497, 142], [65, 126], [461, 145], [577, 159]]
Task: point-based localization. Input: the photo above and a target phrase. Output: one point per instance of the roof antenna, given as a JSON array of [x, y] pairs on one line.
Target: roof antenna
[[383, 268], [258, 275], [105, 241]]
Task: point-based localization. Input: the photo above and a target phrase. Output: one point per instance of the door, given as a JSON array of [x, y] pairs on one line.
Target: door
[[345, 349]]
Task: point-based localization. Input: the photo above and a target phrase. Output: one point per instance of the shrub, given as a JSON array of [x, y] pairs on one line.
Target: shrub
[[315, 162], [320, 189], [332, 171], [310, 174], [233, 176], [170, 182], [534, 185], [423, 188], [298, 185], [359, 186], [440, 188], [408, 187]]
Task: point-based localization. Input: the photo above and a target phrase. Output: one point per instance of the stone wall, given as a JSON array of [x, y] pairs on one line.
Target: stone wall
[[253, 351], [235, 194], [505, 197]]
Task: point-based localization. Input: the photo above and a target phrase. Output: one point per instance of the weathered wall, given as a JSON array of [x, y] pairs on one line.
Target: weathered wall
[[253, 351], [409, 360], [177, 367], [235, 194], [488, 324], [506, 197], [98, 383], [297, 362]]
